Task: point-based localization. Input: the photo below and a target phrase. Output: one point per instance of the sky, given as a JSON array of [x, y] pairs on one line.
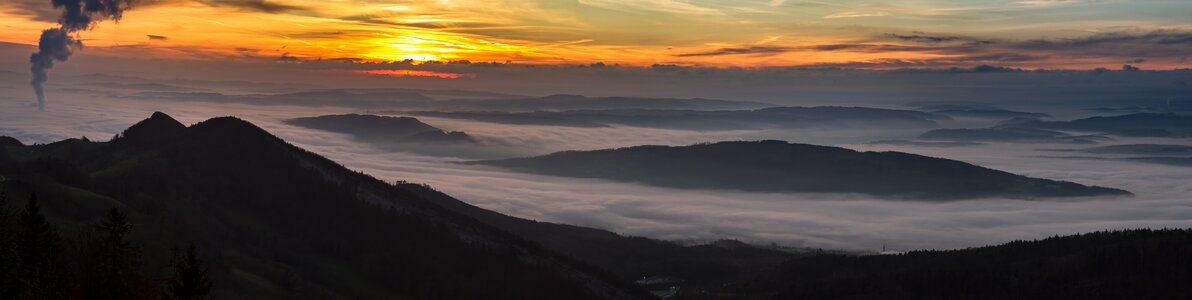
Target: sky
[[1030, 34], [806, 53]]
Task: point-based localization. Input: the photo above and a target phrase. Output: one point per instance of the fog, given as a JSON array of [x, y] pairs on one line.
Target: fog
[[836, 221]]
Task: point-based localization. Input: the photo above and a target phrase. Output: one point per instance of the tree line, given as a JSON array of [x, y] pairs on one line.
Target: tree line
[[38, 262]]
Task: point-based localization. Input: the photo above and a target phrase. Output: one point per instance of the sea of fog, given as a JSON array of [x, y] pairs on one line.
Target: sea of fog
[[851, 222]]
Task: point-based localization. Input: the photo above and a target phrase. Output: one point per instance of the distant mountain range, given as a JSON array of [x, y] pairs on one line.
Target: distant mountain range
[[1172, 155], [1010, 135], [281, 223], [382, 129], [1133, 125], [777, 166], [766, 118], [1080, 131], [278, 222], [578, 102], [390, 99], [1143, 149], [1001, 114]]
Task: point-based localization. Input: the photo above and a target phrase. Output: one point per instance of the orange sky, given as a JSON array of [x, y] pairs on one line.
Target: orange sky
[[915, 33]]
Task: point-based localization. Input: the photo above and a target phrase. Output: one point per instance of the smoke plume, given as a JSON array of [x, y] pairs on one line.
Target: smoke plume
[[58, 44]]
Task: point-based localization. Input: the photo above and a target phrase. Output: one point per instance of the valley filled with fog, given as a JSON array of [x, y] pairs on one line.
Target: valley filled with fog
[[81, 107]]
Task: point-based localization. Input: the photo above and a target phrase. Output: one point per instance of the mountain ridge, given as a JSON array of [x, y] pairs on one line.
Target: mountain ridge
[[779, 166], [250, 196]]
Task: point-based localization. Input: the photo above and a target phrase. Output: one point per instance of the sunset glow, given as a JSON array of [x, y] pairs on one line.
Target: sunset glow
[[1023, 34], [412, 73]]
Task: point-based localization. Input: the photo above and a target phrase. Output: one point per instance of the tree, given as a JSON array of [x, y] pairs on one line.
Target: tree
[[190, 281], [112, 264], [42, 272], [9, 258]]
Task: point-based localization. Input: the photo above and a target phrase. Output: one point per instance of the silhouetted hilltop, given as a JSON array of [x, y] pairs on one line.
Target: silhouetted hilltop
[[9, 141], [829, 117], [1132, 264], [157, 129], [382, 129], [777, 166], [281, 223]]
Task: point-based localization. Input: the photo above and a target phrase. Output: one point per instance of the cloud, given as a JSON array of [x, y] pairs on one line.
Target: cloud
[[647, 6], [35, 9], [1049, 3], [157, 37], [1152, 38], [265, 6], [854, 14], [936, 39], [1122, 45], [760, 50]]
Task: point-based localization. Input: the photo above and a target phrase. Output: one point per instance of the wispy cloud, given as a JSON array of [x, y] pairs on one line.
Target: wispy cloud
[[1047, 3], [647, 6], [265, 6], [739, 51], [854, 14]]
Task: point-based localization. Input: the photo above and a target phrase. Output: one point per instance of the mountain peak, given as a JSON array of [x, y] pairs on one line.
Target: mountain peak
[[9, 141], [158, 128], [230, 128]]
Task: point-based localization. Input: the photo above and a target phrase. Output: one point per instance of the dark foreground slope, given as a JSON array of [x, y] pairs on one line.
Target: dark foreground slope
[[278, 222], [1133, 264], [776, 166]]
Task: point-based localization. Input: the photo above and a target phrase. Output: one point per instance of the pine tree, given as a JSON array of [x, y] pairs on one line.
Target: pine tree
[[190, 281], [9, 258], [112, 264], [42, 272]]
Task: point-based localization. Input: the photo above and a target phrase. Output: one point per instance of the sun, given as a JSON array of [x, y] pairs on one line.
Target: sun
[[420, 57]]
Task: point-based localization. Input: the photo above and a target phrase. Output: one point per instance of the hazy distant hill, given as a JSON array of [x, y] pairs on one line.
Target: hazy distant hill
[[328, 98], [278, 222], [830, 117], [382, 129], [1138, 125], [577, 102], [1132, 264], [1010, 135], [1143, 149], [1173, 155], [777, 166], [1002, 114], [1080, 131]]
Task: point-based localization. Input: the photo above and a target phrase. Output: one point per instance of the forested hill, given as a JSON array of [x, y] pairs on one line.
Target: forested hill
[[1132, 264], [277, 222], [382, 129], [777, 166]]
